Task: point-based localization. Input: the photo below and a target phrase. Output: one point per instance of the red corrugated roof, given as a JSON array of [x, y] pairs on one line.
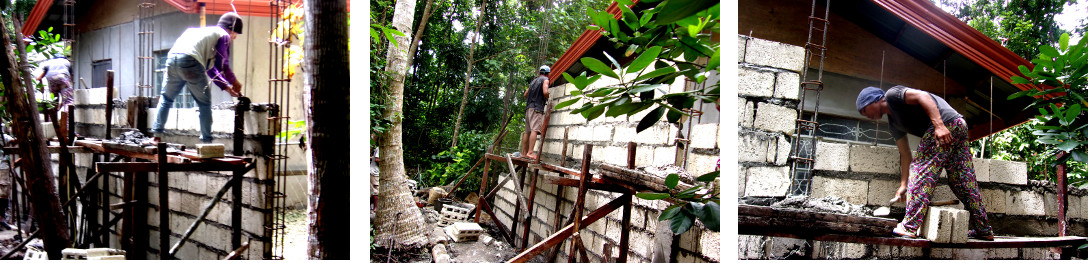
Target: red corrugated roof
[[580, 46], [35, 18]]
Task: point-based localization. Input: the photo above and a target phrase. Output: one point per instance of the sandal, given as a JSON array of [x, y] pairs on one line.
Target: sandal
[[902, 231], [975, 235]]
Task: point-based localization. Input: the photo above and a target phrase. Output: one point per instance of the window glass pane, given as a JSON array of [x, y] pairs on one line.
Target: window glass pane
[[184, 98]]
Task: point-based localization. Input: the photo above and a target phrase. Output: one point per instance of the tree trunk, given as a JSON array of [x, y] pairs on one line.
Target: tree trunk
[[397, 220], [468, 75], [326, 54], [40, 181], [419, 32]]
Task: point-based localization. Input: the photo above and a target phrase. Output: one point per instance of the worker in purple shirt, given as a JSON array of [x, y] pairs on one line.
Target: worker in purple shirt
[[197, 55]]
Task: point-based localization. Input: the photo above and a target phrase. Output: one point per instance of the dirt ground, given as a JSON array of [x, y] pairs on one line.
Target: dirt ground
[[294, 244], [460, 252]]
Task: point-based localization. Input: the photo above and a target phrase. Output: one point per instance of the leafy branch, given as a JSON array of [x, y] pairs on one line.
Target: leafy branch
[[698, 202], [1065, 68], [672, 53]]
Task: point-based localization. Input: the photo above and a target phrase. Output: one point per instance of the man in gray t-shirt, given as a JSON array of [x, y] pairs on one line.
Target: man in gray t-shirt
[[943, 146]]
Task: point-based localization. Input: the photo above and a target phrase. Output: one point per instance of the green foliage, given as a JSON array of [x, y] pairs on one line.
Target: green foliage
[[1022, 26], [450, 165], [700, 202], [669, 37], [1061, 126]]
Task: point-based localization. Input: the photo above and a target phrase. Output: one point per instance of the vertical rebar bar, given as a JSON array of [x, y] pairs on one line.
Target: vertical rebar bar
[[279, 94]]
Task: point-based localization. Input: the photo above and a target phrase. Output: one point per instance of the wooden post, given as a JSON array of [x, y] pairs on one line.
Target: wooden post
[[587, 154], [105, 198], [559, 192], [164, 203], [239, 125], [1063, 191], [236, 210], [517, 205], [127, 211], [109, 107], [625, 234], [529, 214], [141, 238], [483, 190]]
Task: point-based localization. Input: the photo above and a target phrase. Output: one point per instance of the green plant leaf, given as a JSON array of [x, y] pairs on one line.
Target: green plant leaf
[[650, 119], [1024, 70], [645, 87], [696, 208], [1080, 156], [715, 61], [669, 213], [644, 59], [1063, 42], [622, 109], [708, 177], [1018, 80], [598, 66], [1068, 145], [653, 196], [567, 103], [594, 112], [673, 10], [1048, 50], [629, 18], [673, 116], [711, 216], [681, 223], [656, 73], [672, 180]]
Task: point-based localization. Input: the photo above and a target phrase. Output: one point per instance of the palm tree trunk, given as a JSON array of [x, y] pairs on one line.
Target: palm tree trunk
[[396, 209], [326, 54], [468, 75]]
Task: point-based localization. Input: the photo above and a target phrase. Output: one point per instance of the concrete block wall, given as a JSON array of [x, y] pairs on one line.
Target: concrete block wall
[[190, 192], [768, 84], [656, 146], [1016, 205]]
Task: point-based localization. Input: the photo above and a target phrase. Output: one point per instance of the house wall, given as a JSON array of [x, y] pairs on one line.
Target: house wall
[[609, 137], [852, 52], [191, 191], [117, 39], [868, 175]]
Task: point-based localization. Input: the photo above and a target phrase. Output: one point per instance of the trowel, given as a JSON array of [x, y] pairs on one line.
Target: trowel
[[884, 211]]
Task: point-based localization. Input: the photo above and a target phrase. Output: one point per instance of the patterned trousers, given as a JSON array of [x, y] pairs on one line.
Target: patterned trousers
[[926, 167]]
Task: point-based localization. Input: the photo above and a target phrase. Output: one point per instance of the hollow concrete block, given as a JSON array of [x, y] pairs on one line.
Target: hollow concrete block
[[938, 225]]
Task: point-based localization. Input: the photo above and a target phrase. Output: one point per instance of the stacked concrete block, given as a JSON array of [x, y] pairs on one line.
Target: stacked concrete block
[[462, 231], [832, 156], [767, 181], [786, 85], [1008, 172], [747, 111], [839, 250], [938, 225], [982, 169], [874, 159], [881, 191], [960, 221], [704, 136], [994, 200], [897, 252], [1025, 203], [853, 191], [761, 147], [776, 118], [958, 253], [755, 82], [1074, 208], [774, 54]]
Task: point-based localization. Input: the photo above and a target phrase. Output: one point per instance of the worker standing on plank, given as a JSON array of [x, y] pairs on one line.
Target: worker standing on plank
[[58, 76], [943, 146], [199, 54], [537, 95]]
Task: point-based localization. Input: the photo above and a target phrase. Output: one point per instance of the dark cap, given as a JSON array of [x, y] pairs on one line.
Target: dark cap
[[231, 21]]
